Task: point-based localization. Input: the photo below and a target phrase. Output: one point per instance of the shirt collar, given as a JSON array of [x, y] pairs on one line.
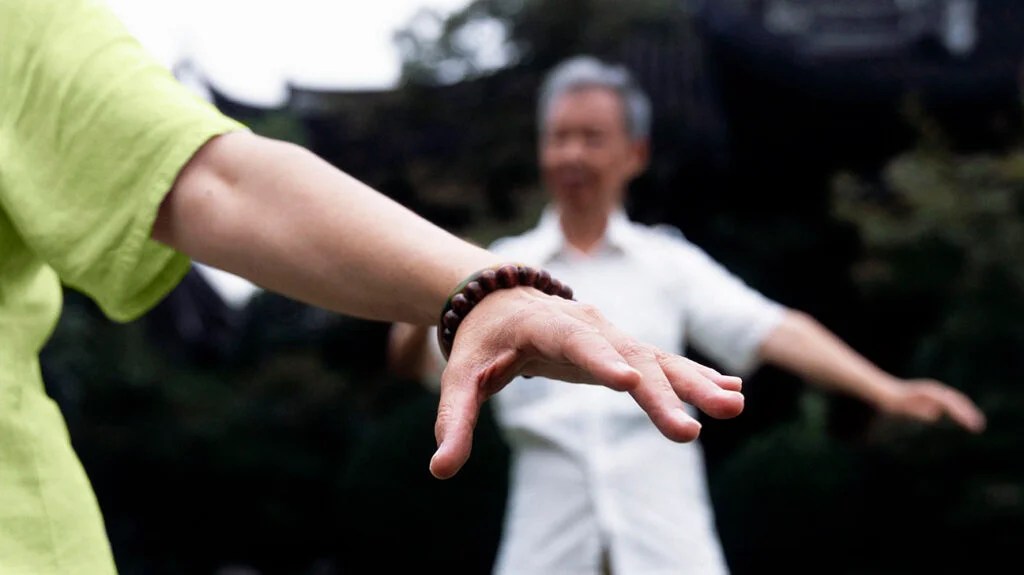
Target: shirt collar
[[551, 241]]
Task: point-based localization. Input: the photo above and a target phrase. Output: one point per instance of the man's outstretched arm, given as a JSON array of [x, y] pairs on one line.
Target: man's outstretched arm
[[802, 345]]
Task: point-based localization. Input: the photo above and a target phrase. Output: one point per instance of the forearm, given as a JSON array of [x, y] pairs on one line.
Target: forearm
[[285, 219], [801, 345]]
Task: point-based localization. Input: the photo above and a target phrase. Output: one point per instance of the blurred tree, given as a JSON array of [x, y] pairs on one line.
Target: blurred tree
[[493, 34], [943, 276]]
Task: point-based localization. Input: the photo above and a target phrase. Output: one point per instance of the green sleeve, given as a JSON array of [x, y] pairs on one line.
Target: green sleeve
[[93, 132]]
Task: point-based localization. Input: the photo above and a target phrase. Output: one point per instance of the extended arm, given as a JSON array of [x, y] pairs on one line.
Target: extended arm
[[283, 218], [804, 346]]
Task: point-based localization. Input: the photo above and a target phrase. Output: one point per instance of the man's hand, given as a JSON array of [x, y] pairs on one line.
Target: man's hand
[[522, 331], [928, 401]]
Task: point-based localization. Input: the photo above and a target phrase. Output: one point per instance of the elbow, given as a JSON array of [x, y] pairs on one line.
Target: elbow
[[193, 206], [789, 335], [205, 211], [799, 321]]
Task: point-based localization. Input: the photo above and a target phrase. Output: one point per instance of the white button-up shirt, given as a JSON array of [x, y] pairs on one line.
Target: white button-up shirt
[[589, 471]]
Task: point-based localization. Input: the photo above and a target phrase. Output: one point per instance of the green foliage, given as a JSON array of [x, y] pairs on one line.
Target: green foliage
[[435, 51], [943, 273], [281, 125], [944, 239]]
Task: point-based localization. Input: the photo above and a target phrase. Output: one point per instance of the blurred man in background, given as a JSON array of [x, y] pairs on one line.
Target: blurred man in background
[[593, 486]]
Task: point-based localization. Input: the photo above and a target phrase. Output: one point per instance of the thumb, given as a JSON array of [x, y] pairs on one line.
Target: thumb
[[457, 414]]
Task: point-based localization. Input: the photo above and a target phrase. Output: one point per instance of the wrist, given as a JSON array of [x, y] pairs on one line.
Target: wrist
[[886, 394], [484, 282], [454, 276]]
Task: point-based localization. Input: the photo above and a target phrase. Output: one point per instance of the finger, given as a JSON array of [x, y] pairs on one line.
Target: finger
[[717, 395], [656, 395], [457, 413], [581, 352], [621, 363], [963, 411], [730, 382], [639, 372], [567, 372], [649, 384]]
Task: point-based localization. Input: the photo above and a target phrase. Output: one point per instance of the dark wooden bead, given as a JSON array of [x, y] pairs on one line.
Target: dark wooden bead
[[543, 280], [488, 281], [451, 320], [527, 275], [474, 292], [461, 304], [507, 276]]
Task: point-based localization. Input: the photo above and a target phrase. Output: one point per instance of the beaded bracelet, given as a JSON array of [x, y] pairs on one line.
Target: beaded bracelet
[[480, 284]]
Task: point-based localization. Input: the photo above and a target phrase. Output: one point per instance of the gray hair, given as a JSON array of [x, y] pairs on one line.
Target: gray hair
[[589, 72]]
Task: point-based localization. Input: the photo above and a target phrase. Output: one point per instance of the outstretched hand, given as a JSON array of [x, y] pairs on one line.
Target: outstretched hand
[[929, 401], [522, 331]]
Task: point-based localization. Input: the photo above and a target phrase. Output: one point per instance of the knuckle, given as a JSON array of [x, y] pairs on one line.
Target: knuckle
[[591, 312], [634, 350], [568, 330]]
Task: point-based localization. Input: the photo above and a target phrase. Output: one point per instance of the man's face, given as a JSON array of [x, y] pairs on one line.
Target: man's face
[[587, 156]]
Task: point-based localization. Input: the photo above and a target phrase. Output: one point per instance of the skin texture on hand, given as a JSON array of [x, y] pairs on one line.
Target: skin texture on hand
[[928, 401], [523, 331]]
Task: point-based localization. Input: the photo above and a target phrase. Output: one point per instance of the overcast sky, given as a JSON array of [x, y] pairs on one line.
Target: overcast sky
[[312, 43]]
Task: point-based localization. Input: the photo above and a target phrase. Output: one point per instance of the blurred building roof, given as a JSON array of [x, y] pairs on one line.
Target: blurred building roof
[[861, 48], [871, 28]]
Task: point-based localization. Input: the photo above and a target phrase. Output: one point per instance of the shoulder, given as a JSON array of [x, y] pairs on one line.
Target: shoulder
[[665, 247], [667, 233], [662, 237]]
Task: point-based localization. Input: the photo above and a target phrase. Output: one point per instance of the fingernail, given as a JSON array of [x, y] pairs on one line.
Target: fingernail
[[684, 416], [433, 461], [626, 368]]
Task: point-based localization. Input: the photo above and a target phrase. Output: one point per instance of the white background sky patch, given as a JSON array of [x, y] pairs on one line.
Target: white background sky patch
[[327, 44]]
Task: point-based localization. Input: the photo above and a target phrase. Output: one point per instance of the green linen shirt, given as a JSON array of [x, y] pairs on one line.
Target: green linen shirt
[[93, 132]]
